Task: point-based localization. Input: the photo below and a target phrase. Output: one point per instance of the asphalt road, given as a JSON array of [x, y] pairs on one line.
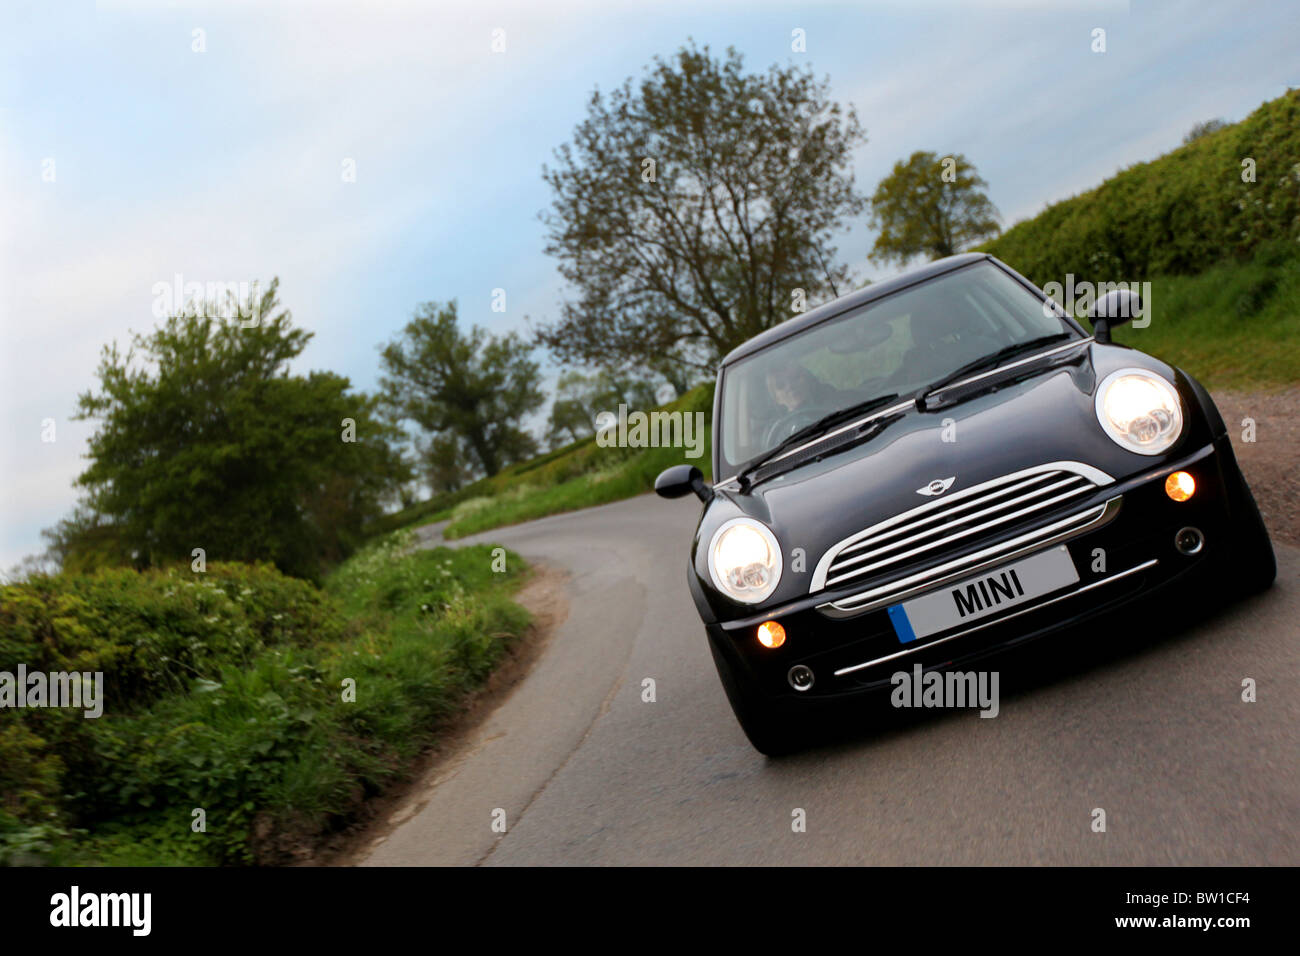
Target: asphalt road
[[586, 772]]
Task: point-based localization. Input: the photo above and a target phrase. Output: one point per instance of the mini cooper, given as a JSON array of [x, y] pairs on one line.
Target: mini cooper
[[939, 467]]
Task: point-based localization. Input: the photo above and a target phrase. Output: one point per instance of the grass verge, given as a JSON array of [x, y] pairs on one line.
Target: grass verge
[[1234, 326], [273, 707], [582, 476], [578, 475]]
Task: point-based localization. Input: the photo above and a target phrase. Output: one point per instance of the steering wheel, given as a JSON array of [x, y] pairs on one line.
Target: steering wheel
[[791, 422]]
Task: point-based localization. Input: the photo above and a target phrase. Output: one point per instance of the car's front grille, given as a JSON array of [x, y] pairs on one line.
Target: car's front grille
[[959, 521]]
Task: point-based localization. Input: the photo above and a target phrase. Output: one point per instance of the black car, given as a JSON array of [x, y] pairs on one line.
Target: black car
[[941, 466]]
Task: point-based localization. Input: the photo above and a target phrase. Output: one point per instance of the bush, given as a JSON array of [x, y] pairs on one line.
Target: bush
[[1177, 215], [223, 692]]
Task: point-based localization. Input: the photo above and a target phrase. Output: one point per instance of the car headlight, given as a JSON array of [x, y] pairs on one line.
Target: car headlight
[[1139, 410], [744, 560]]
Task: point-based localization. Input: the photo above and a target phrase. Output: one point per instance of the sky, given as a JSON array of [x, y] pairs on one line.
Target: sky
[[134, 150]]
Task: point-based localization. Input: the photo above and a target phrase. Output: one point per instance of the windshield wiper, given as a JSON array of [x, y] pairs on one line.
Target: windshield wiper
[[987, 361], [808, 431]]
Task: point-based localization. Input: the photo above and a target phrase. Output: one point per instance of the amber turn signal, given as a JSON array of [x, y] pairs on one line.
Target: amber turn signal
[[1180, 486], [771, 634]]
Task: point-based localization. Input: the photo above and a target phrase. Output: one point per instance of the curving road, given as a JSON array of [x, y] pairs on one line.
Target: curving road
[[588, 773]]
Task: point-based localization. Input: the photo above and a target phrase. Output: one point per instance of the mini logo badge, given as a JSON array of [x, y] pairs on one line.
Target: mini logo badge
[[937, 487]]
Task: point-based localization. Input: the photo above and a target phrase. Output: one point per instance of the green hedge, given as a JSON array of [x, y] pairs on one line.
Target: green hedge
[[223, 691], [1177, 215]]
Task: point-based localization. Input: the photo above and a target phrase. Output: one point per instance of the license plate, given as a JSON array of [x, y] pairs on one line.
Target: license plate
[[983, 595]]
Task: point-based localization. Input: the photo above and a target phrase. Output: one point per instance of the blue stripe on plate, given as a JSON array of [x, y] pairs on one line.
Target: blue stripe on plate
[[902, 626]]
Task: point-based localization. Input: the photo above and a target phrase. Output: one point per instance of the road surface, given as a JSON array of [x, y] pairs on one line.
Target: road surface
[[581, 770]]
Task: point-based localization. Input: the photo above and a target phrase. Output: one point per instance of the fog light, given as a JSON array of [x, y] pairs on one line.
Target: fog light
[[771, 634], [1189, 540], [801, 677], [1180, 486]]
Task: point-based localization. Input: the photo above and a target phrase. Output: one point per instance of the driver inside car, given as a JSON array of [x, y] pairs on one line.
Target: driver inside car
[[793, 387]]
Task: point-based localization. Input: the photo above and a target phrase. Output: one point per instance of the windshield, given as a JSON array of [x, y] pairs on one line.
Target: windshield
[[900, 343]]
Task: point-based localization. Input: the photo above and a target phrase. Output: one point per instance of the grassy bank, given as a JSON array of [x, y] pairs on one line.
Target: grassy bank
[[579, 475], [587, 475], [1236, 325], [228, 692]]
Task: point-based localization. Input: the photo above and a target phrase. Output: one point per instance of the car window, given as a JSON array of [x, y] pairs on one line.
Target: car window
[[897, 344]]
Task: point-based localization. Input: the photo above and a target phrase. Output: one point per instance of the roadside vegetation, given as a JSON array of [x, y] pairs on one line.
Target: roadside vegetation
[[1222, 256], [1211, 201], [1236, 325], [1214, 226], [227, 692], [587, 475], [579, 475]]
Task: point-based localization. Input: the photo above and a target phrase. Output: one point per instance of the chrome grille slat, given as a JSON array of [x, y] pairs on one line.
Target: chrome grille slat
[[946, 521], [952, 537], [937, 528], [940, 574], [858, 541], [953, 509]]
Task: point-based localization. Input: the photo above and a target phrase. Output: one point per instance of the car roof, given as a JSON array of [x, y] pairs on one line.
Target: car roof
[[845, 303]]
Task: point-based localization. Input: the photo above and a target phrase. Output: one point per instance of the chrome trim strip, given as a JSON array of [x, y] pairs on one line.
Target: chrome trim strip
[[1025, 610], [966, 565], [1095, 475], [893, 559]]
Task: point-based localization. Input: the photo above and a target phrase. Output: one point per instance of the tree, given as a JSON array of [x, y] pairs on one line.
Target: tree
[[444, 463], [676, 371], [1203, 129], [86, 540], [932, 206], [207, 441], [476, 387], [690, 209], [579, 398]]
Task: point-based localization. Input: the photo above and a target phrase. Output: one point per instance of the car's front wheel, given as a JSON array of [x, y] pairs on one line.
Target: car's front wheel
[[766, 730]]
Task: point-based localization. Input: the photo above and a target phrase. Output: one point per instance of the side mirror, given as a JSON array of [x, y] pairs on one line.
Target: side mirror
[[681, 480], [1112, 309]]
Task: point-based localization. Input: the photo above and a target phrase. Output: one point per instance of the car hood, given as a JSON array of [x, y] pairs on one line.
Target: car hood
[[1045, 418]]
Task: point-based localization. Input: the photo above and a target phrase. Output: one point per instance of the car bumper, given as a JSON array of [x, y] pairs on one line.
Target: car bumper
[[1129, 562]]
